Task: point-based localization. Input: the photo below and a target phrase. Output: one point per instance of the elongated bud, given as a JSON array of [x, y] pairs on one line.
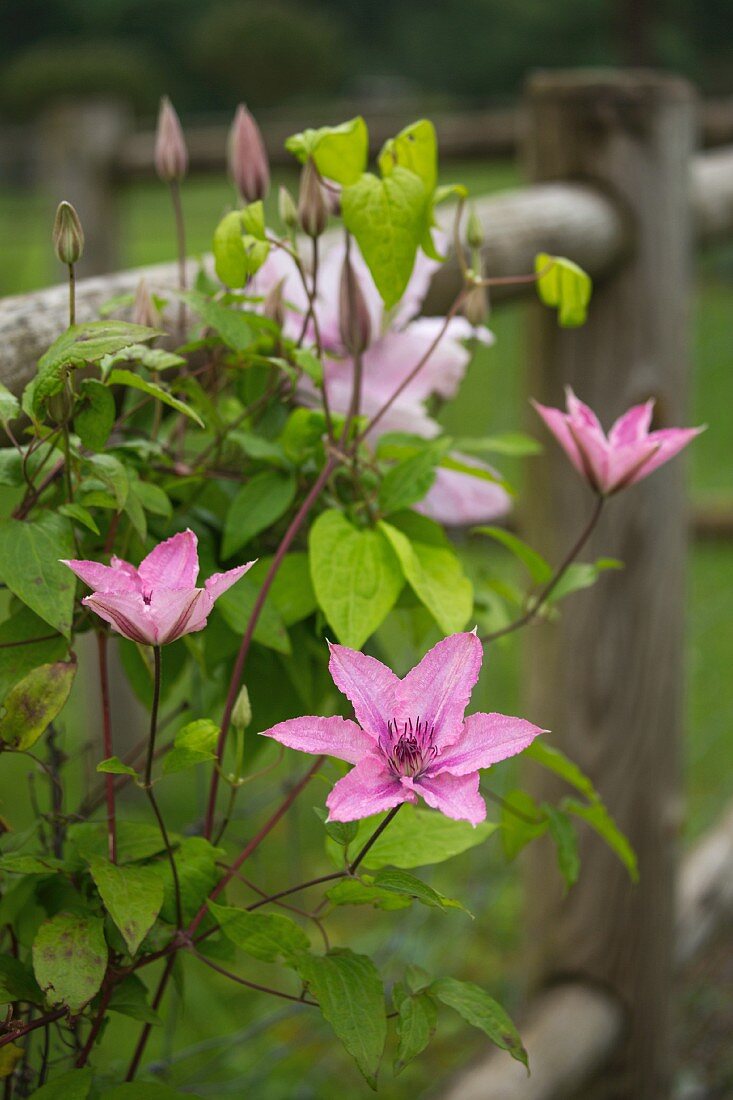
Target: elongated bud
[[474, 230], [312, 209], [248, 165], [476, 305], [242, 713], [287, 209], [68, 235], [171, 155], [144, 311], [332, 195], [355, 324], [274, 305]]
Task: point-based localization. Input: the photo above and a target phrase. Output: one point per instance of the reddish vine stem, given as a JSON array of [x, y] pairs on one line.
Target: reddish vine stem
[[97, 1024], [109, 779], [239, 664], [24, 1029], [145, 1033], [250, 985]]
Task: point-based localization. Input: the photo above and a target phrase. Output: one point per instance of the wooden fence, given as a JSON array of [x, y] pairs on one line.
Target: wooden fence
[[619, 189]]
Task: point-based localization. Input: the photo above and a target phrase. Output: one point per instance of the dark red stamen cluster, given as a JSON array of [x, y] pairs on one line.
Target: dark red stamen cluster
[[411, 748]]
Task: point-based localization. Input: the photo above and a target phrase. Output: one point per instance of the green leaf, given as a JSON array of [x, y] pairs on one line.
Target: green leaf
[[153, 359], [354, 891], [561, 765], [135, 841], [70, 958], [387, 218], [508, 443], [302, 434], [521, 822], [416, 1022], [343, 832], [194, 744], [291, 592], [235, 607], [408, 482], [74, 1085], [339, 152], [111, 473], [253, 220], [415, 838], [265, 936], [436, 576], [130, 998], [581, 574], [17, 660], [350, 994], [197, 875], [30, 566], [482, 1011], [152, 498], [9, 406], [81, 515], [401, 882], [132, 896], [32, 705], [415, 148], [600, 820], [20, 864], [121, 377], [17, 982], [93, 422], [356, 576], [259, 503], [237, 254], [563, 833], [114, 766], [539, 570], [564, 286], [135, 1090]]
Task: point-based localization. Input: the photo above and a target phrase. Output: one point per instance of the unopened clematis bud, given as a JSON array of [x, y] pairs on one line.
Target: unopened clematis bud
[[68, 235], [332, 195], [242, 713], [476, 305], [248, 165], [274, 305], [171, 155], [287, 209], [354, 322], [474, 231], [144, 311], [312, 208]]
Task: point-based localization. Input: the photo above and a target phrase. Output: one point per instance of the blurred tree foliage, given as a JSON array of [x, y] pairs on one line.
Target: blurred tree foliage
[[208, 55]]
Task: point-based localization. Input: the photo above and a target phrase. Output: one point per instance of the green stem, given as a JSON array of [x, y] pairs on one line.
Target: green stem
[[148, 782]]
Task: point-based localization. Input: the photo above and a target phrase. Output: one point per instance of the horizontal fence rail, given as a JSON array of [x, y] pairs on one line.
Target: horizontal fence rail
[[561, 218]]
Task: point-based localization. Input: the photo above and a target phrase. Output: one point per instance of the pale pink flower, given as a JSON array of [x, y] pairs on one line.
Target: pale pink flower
[[399, 340], [627, 454], [411, 737], [158, 601]]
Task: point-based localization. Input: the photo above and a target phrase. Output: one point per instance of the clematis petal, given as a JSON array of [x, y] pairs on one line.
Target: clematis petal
[[486, 739], [456, 796], [460, 500], [173, 611], [390, 361], [173, 563], [335, 736], [557, 422], [127, 612], [369, 788], [438, 689], [669, 442], [633, 426], [218, 583], [369, 686], [119, 576]]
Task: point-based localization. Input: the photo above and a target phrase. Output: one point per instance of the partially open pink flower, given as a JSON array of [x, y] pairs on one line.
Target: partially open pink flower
[[627, 454], [159, 601], [412, 737]]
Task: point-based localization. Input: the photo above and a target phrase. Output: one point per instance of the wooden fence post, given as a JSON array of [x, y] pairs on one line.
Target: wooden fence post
[[79, 145], [607, 678]]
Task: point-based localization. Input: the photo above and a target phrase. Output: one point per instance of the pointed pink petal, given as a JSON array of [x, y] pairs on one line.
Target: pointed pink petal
[[459, 500], [218, 583], [173, 611], [557, 422], [627, 464], [119, 576], [633, 426], [438, 689], [368, 789], [582, 414], [335, 736], [671, 441], [369, 686], [127, 612], [173, 563], [486, 739], [456, 796]]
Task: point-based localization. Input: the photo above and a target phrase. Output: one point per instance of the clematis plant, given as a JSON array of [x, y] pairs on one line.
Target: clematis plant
[[280, 411], [412, 737]]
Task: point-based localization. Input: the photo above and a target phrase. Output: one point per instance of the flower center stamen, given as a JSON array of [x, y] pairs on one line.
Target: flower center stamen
[[410, 749]]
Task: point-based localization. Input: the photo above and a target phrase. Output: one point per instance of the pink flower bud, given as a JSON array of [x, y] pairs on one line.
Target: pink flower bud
[[354, 321], [144, 311], [68, 235], [274, 305], [248, 165], [171, 155], [332, 195], [312, 209], [476, 305]]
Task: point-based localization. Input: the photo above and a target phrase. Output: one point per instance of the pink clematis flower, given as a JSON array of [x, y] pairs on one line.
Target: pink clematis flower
[[399, 340], [627, 454], [159, 601], [412, 738]]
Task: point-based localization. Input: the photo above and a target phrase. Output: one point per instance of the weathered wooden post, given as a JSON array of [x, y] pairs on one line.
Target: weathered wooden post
[[78, 148], [607, 678]]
